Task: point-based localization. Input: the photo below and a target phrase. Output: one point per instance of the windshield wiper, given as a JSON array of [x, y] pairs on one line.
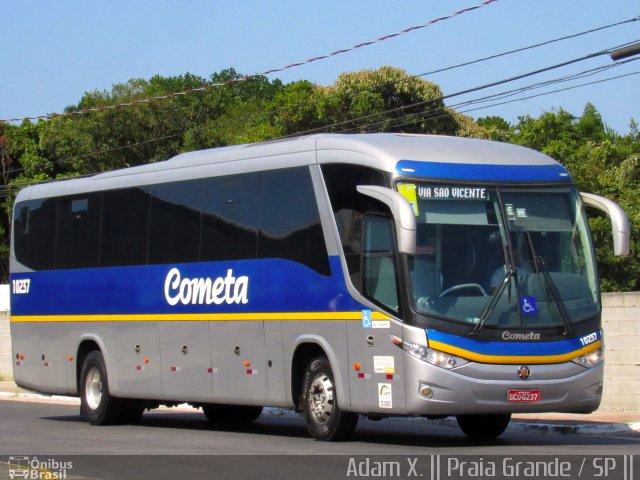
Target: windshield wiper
[[550, 286], [554, 295], [510, 272]]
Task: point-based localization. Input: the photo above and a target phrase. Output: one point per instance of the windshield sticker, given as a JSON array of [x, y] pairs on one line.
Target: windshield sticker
[[528, 305], [437, 192], [521, 212], [408, 191], [511, 212]]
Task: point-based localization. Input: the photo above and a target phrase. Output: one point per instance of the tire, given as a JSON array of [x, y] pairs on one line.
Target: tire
[[324, 418], [230, 414], [484, 426], [97, 405]]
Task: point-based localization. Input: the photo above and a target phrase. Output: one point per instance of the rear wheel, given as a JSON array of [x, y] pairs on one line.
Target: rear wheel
[[97, 405], [325, 419], [484, 426], [228, 414]]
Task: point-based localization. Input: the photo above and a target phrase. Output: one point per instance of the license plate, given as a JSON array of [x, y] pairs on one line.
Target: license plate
[[523, 396]]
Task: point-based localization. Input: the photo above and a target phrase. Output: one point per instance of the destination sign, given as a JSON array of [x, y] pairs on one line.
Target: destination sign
[[443, 192]]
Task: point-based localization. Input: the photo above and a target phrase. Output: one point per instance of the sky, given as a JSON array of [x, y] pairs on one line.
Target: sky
[[54, 52]]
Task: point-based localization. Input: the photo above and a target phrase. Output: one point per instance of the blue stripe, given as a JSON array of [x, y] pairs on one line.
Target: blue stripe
[[510, 348], [467, 171], [274, 285]]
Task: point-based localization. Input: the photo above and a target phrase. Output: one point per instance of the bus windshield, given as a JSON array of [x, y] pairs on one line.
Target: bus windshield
[[501, 257]]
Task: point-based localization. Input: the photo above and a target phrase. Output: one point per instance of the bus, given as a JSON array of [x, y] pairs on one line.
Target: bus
[[335, 274]]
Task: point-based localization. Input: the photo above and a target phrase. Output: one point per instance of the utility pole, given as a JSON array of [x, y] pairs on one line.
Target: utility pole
[[625, 52]]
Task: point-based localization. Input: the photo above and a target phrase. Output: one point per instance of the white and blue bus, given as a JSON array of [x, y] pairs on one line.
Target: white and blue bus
[[338, 275]]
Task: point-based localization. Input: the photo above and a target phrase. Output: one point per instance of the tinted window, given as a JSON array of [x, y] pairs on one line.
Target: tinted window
[[125, 216], [174, 222], [289, 220], [229, 217], [349, 207], [34, 233], [379, 266], [78, 233]]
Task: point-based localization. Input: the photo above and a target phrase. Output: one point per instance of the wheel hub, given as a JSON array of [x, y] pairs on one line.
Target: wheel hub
[[321, 401], [93, 388]]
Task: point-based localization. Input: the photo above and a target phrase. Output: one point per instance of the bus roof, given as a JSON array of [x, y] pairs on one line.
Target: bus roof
[[399, 154]]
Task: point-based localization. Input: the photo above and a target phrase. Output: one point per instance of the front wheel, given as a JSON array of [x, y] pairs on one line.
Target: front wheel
[[484, 426], [97, 405], [324, 418]]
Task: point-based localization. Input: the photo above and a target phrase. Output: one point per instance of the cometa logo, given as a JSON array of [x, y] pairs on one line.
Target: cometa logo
[[507, 335], [205, 291]]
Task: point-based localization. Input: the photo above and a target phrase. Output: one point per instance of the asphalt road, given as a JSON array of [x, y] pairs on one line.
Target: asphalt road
[[169, 444]]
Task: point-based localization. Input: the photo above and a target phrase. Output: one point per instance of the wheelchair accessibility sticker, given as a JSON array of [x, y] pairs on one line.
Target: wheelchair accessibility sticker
[[366, 318], [528, 305]]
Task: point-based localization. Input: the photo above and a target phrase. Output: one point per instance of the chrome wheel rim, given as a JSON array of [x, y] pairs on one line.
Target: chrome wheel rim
[[321, 399], [93, 388]]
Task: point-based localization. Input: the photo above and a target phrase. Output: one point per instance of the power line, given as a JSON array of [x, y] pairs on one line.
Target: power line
[[394, 110], [429, 115], [530, 47], [509, 52], [595, 54], [440, 112], [210, 86], [456, 94], [555, 91]]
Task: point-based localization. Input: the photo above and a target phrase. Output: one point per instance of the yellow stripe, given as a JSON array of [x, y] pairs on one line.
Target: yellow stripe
[[505, 359], [198, 317]]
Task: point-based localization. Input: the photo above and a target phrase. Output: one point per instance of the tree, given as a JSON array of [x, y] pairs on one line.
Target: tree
[[600, 162], [388, 99], [232, 109], [497, 128]]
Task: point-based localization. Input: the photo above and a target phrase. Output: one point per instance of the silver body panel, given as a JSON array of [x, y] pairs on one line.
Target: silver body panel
[[251, 362]]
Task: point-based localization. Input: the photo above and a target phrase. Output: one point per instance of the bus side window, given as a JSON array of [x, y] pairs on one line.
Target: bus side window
[[379, 265], [174, 222], [78, 231], [290, 221], [35, 234], [229, 218], [125, 218]]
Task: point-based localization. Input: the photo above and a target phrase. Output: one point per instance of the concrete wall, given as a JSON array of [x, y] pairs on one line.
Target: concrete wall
[[6, 366], [621, 323]]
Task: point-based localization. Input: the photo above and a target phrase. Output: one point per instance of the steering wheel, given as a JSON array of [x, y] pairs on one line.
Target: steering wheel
[[461, 286]]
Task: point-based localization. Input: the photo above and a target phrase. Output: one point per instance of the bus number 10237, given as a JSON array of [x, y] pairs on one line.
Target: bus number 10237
[[21, 286]]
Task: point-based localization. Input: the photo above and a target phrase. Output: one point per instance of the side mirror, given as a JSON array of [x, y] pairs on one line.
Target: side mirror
[[402, 212], [619, 221]]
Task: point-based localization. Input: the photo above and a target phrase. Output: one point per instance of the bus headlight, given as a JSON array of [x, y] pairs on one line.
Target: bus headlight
[[590, 359], [434, 357]]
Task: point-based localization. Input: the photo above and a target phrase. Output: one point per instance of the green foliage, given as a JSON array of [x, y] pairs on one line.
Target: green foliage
[[601, 162], [233, 109], [412, 105], [497, 128]]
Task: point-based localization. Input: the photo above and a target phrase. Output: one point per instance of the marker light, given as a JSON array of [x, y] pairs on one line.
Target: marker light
[[590, 359], [434, 357]]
